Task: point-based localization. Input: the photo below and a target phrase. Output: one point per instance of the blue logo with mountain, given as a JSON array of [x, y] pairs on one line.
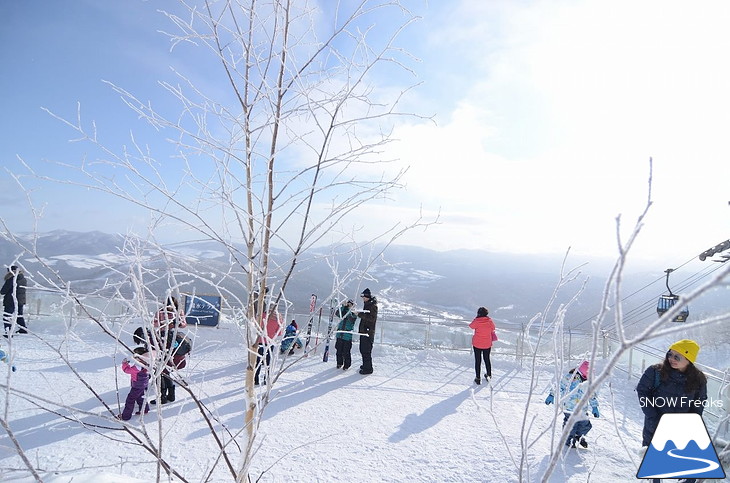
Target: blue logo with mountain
[[681, 448]]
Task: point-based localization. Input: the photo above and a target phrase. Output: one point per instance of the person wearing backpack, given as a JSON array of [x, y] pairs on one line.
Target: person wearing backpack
[[673, 386], [180, 349]]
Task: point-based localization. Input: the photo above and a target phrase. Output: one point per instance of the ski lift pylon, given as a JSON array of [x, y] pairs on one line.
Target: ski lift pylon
[[666, 302]]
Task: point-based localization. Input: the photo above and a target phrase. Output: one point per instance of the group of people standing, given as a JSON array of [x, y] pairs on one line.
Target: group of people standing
[[343, 340], [162, 345], [675, 385], [271, 328]]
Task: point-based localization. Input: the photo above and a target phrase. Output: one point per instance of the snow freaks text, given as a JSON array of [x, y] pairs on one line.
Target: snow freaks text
[[679, 401]]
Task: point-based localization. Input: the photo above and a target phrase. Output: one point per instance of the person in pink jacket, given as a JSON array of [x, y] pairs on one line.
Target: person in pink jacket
[[140, 378], [271, 324], [482, 342]]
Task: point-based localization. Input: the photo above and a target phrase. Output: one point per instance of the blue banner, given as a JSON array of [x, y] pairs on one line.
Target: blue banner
[[203, 309]]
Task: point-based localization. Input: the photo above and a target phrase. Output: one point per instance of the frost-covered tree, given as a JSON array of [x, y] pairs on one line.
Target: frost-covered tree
[[276, 146], [551, 330]]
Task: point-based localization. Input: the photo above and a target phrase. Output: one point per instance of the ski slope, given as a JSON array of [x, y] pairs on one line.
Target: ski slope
[[418, 418]]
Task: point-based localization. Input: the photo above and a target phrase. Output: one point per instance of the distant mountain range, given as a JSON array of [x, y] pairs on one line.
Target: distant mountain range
[[408, 281]]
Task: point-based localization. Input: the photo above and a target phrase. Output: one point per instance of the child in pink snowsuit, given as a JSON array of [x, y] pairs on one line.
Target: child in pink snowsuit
[[140, 379]]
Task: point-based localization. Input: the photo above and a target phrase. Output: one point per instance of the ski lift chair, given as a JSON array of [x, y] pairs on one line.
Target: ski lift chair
[[666, 302]]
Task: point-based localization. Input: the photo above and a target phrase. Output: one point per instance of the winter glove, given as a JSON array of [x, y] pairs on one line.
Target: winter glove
[[4, 358], [549, 400], [596, 413]]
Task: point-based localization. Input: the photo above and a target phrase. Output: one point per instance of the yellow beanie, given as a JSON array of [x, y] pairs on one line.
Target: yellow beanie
[[688, 348]]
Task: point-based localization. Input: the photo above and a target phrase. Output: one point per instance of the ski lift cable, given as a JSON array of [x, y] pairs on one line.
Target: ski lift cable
[[686, 284], [649, 303]]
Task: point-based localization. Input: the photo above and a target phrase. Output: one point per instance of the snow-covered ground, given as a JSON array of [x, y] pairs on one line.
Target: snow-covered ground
[[419, 417]]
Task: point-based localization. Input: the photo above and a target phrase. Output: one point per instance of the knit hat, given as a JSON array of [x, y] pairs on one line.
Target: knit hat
[[583, 369], [688, 348], [366, 293]]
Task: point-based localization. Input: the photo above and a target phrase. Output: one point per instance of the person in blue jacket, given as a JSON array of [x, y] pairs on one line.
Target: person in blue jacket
[[673, 386], [572, 389], [343, 340], [290, 340]]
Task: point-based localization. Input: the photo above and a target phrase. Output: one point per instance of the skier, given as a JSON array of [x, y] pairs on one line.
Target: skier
[[13, 292], [343, 340], [673, 386], [140, 379], [572, 389], [481, 341], [368, 318]]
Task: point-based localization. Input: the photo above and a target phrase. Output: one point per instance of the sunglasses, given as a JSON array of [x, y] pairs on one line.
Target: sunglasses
[[676, 357]]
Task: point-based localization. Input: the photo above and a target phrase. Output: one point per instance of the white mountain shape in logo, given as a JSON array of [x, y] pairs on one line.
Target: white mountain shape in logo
[[681, 428]]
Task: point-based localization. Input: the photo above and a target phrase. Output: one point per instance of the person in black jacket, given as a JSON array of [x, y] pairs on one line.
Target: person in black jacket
[[674, 386], [13, 292], [368, 317]]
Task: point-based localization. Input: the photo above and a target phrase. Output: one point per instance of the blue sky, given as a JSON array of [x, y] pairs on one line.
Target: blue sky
[[546, 114]]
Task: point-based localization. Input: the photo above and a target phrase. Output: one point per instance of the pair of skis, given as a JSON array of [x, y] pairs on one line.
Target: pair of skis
[[329, 331], [312, 306]]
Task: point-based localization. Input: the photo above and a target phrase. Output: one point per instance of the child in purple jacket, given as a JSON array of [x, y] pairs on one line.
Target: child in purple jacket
[[140, 379]]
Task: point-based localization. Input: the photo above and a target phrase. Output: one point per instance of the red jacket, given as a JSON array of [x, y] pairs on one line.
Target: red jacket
[[273, 326], [483, 328]]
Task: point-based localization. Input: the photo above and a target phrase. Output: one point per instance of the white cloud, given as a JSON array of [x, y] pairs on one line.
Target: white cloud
[[566, 103]]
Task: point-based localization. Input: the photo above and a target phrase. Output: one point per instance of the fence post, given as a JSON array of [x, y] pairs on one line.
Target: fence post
[[605, 344], [631, 362], [570, 344], [427, 341]]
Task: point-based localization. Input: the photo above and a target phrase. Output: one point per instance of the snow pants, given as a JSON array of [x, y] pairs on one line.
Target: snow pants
[[264, 352], [167, 388], [366, 351], [343, 350], [8, 312], [580, 428], [478, 355], [135, 396]]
